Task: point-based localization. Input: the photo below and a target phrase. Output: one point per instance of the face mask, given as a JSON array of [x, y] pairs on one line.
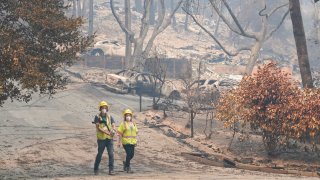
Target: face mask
[[103, 111], [128, 118]]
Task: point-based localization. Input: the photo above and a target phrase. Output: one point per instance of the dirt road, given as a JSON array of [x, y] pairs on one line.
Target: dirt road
[[54, 138]]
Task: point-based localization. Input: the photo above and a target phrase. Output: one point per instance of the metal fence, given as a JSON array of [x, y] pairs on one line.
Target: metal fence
[[106, 62]]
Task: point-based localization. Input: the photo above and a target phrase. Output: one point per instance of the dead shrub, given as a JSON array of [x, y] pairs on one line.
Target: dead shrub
[[271, 103]]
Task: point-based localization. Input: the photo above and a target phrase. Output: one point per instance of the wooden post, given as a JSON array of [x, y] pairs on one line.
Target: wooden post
[[174, 69], [122, 64], [140, 102], [105, 61], [85, 61]]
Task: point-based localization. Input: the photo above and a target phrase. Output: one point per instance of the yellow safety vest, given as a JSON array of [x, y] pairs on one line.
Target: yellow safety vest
[[129, 135], [102, 135]]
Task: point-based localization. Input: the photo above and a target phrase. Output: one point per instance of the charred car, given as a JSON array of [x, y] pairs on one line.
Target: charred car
[[130, 82]]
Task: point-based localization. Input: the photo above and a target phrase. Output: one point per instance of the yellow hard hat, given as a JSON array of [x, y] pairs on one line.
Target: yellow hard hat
[[127, 111], [103, 103]]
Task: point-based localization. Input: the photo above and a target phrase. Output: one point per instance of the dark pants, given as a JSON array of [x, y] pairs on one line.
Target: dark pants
[[129, 148], [102, 144]]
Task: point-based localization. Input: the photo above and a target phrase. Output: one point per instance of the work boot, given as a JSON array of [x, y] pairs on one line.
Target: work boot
[[96, 172], [111, 172], [129, 170], [124, 166]]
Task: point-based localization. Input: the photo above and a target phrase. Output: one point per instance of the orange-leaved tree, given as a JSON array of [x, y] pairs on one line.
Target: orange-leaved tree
[[37, 38], [261, 101]]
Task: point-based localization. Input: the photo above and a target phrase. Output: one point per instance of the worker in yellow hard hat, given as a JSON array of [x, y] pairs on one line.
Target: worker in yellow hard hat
[[105, 127], [128, 135]]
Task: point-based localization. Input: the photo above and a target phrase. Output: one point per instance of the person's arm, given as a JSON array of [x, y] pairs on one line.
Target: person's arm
[[120, 133], [96, 120], [135, 124], [113, 123], [100, 129], [137, 134]]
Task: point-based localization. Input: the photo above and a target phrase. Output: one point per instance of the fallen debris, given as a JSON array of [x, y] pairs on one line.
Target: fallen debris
[[227, 163]]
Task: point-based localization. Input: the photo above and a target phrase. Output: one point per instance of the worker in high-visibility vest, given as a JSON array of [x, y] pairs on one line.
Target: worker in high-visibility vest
[[128, 132], [105, 127]]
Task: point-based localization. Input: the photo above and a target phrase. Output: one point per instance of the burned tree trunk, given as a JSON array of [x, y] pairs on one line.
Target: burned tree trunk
[[301, 44], [208, 130], [79, 14], [186, 23], [317, 22], [90, 30], [138, 5], [152, 17], [186, 20], [84, 8], [140, 50], [128, 26], [192, 114], [238, 29], [174, 21], [74, 8]]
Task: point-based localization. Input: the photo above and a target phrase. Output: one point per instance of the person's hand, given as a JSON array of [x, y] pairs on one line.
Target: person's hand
[[113, 132]]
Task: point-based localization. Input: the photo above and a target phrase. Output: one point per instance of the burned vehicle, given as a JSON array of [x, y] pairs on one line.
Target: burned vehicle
[[204, 85], [206, 89], [129, 82], [228, 82], [105, 47]]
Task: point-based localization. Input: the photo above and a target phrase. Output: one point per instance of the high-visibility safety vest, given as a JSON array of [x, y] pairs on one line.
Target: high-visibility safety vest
[[129, 134], [102, 135]]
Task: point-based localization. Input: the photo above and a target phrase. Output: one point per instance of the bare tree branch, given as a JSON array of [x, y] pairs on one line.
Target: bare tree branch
[[139, 53], [168, 21], [145, 20], [278, 26], [161, 25], [260, 12], [218, 21], [138, 45], [244, 33], [122, 26], [225, 20], [214, 38], [277, 8], [161, 14], [259, 37]]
